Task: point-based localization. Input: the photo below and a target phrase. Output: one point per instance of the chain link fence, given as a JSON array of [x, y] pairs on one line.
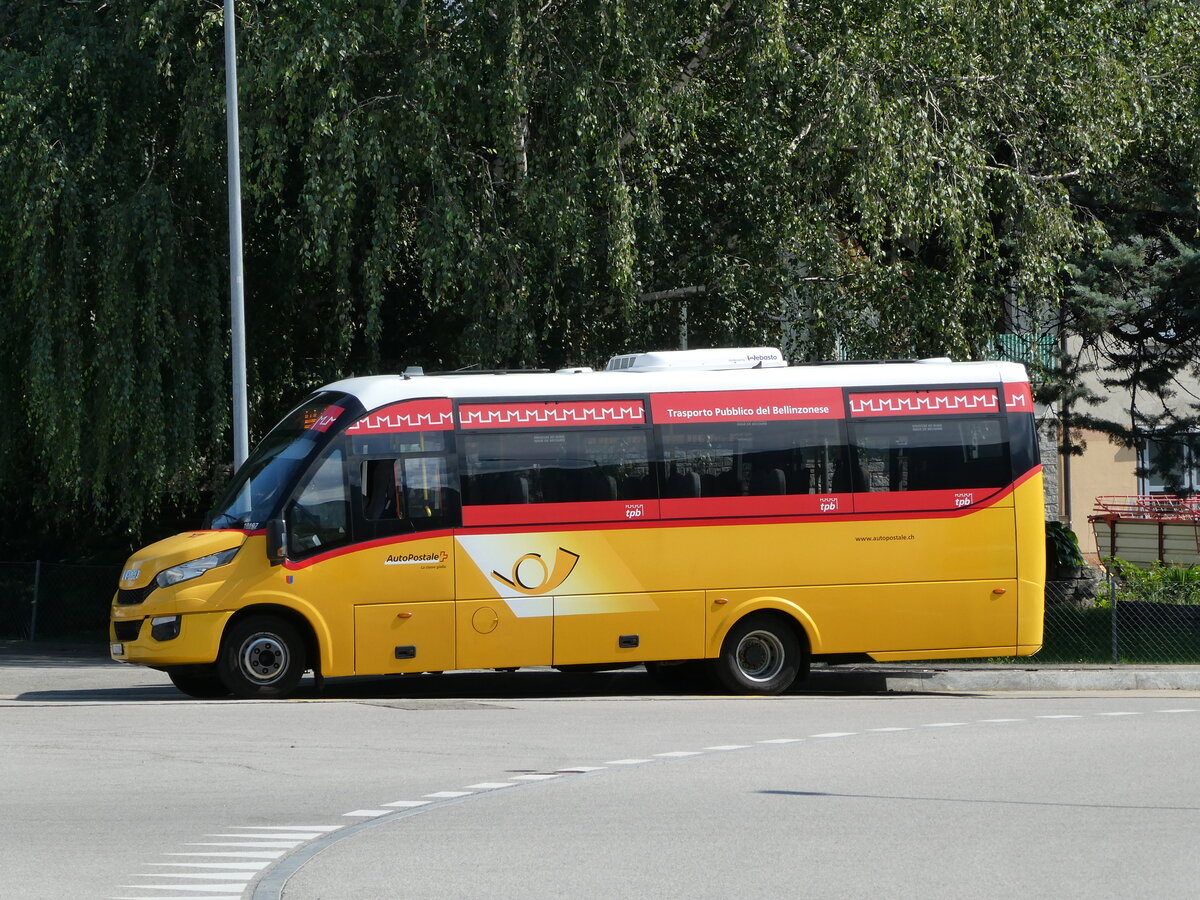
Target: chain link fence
[[60, 601], [1091, 620]]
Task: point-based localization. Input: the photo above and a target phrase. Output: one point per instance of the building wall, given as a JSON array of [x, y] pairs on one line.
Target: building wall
[[1104, 469]]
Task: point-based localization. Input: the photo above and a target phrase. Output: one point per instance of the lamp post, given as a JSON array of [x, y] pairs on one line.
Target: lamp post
[[237, 311]]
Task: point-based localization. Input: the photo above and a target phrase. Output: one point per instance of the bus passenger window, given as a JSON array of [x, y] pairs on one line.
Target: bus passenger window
[[922, 455], [739, 459]]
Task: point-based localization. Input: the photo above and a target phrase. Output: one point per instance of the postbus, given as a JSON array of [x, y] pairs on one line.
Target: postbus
[[717, 510]]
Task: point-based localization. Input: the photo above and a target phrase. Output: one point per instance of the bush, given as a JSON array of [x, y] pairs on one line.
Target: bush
[[1159, 583]]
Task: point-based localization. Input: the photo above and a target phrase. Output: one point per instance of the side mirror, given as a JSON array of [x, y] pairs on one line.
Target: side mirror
[[277, 541]]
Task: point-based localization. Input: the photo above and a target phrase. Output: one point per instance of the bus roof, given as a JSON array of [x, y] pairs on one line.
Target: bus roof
[[378, 390]]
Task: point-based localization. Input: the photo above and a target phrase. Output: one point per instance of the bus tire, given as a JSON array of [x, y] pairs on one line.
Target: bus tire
[[761, 654], [262, 657], [200, 682]]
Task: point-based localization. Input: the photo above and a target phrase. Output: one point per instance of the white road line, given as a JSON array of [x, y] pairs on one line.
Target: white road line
[[366, 813], [997, 721], [447, 795], [211, 876], [889, 729], [581, 769], [196, 888], [538, 776], [625, 762], [408, 803], [279, 845], [321, 828], [299, 836], [729, 747], [828, 734], [1058, 717], [490, 785], [247, 854], [942, 724], [1176, 710], [786, 740], [188, 897], [254, 867], [679, 753], [1118, 714]]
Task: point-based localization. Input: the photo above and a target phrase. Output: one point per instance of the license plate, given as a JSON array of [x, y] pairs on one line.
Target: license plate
[[116, 649]]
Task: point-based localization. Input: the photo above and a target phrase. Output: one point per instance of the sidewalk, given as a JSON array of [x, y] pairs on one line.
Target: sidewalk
[[974, 677]]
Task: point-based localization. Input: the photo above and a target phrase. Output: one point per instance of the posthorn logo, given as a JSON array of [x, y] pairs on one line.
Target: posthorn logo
[[530, 574]]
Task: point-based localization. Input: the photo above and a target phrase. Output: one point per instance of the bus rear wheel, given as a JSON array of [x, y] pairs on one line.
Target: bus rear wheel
[[760, 655], [261, 657]]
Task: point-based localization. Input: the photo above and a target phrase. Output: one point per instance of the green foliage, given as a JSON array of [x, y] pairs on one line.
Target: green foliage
[[504, 184], [1063, 547], [1157, 583]]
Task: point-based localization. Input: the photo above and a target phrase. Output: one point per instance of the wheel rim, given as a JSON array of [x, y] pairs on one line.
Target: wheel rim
[[760, 656], [264, 658]]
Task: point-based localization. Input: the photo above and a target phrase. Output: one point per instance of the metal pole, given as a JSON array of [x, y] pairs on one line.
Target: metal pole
[[237, 306], [37, 589]]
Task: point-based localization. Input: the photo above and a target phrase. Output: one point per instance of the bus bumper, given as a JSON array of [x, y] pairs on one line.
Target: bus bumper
[[168, 640]]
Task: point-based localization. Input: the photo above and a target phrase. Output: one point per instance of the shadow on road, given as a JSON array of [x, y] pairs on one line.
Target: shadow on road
[[525, 684]]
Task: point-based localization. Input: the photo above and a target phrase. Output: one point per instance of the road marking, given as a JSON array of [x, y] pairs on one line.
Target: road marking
[[538, 776], [320, 828], [581, 769], [447, 795], [678, 753], [366, 813], [729, 747], [219, 876], [1176, 710], [300, 836], [485, 786], [220, 865], [1058, 717], [197, 888], [943, 724], [408, 803], [827, 734], [1118, 714], [889, 729], [987, 721], [786, 740], [248, 854], [282, 845], [626, 762]]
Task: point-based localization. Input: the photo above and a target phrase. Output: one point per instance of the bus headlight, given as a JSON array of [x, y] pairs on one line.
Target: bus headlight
[[193, 568]]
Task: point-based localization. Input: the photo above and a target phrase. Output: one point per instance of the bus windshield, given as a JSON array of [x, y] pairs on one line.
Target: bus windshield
[[262, 483]]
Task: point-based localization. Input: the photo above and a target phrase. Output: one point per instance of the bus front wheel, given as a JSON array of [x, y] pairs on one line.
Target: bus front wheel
[[760, 655], [261, 657]]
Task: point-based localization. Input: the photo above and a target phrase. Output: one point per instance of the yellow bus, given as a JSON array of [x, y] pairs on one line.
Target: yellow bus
[[713, 509]]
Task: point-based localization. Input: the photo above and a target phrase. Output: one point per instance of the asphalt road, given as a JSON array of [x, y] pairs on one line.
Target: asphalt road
[[539, 785]]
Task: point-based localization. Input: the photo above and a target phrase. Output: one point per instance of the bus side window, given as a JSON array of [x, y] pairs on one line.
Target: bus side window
[[955, 453]]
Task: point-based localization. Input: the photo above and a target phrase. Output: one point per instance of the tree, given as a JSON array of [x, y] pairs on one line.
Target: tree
[[514, 183]]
